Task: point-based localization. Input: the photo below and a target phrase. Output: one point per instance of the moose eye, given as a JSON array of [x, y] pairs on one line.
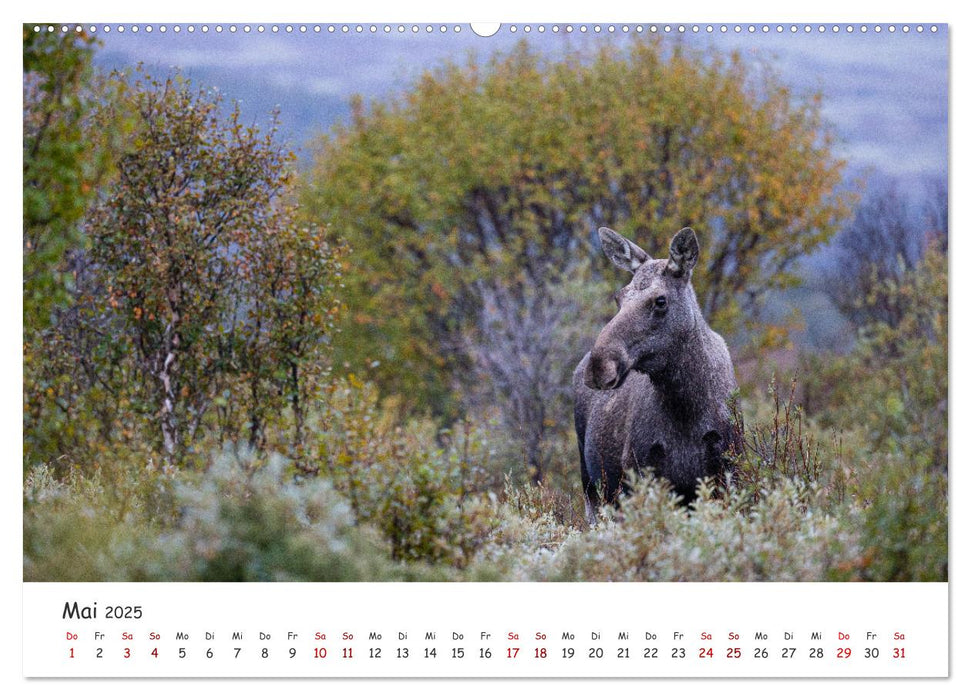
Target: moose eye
[[660, 303]]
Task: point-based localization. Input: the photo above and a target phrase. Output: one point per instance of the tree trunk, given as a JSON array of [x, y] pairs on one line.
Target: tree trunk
[[168, 417], [170, 433], [298, 421]]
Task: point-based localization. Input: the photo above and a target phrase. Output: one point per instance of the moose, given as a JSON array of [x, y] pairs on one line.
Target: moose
[[654, 392]]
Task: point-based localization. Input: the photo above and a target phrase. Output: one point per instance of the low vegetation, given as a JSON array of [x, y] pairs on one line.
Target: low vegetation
[[802, 505]]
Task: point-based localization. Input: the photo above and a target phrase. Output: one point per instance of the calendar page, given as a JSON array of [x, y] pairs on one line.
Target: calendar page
[[520, 350]]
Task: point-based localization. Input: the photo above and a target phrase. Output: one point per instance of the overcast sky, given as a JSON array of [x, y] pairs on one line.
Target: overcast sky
[[886, 94]]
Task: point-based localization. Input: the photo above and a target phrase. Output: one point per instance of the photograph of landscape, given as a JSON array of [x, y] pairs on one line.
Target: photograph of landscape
[[404, 303]]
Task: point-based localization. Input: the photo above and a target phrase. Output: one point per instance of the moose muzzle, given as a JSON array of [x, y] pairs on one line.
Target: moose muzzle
[[606, 369]]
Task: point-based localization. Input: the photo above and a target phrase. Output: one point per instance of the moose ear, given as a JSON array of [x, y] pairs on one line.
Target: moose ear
[[684, 253], [621, 252]]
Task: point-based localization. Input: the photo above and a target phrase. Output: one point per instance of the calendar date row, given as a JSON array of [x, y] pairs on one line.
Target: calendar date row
[[568, 653]]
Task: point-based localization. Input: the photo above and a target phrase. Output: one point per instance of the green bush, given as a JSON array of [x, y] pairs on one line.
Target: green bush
[[904, 526], [242, 519], [884, 490], [785, 536], [95, 525], [894, 384], [426, 490]]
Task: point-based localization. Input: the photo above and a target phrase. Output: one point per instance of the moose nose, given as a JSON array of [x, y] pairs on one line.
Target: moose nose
[[605, 371]]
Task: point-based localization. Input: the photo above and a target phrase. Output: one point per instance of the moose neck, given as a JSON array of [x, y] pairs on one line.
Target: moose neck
[[684, 384]]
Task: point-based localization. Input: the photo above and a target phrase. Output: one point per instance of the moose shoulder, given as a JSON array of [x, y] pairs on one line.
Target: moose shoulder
[[653, 392]]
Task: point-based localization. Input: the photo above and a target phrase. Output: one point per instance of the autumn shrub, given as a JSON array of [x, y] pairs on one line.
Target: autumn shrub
[[894, 385], [201, 304], [425, 489], [67, 158], [780, 442], [541, 151]]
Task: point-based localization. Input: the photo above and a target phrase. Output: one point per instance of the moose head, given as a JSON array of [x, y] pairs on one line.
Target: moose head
[[657, 311]]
